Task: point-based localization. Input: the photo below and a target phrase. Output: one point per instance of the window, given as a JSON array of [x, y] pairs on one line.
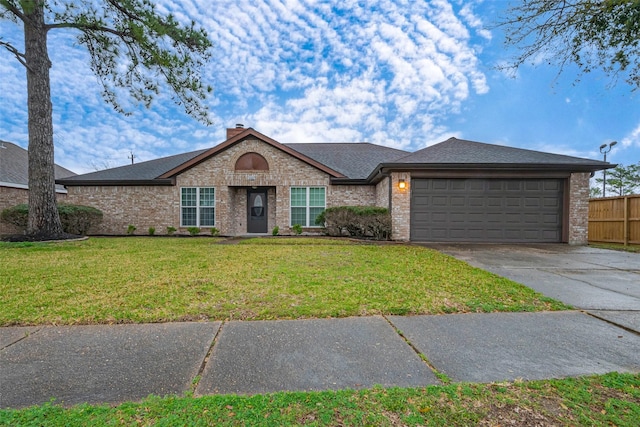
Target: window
[[197, 206], [306, 204]]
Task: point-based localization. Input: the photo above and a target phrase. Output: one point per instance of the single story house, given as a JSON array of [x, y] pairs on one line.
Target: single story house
[[453, 191], [14, 180]]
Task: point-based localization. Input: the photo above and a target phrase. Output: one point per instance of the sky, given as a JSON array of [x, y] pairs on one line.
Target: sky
[[400, 73]]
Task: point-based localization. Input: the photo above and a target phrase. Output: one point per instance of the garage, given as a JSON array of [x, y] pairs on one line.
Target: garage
[[487, 210]]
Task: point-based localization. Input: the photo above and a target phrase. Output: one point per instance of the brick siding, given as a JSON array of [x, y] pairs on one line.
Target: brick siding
[[579, 208], [400, 206]]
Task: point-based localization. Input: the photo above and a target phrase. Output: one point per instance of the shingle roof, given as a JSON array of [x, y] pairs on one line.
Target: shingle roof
[[14, 166], [459, 151], [250, 133], [354, 160], [143, 171]]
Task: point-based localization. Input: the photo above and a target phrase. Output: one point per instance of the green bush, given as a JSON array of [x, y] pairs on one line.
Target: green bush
[[75, 219], [275, 231], [193, 230], [297, 229], [131, 228], [152, 231], [17, 215], [215, 232], [357, 221], [171, 230]]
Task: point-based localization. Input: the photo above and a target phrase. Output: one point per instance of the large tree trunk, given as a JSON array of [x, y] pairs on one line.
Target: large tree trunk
[[43, 213]]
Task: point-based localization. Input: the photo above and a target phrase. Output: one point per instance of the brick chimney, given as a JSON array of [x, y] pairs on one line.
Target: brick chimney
[[231, 132]]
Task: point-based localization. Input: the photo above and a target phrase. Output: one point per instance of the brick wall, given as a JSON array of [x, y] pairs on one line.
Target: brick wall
[[351, 195], [141, 206], [579, 208], [400, 206]]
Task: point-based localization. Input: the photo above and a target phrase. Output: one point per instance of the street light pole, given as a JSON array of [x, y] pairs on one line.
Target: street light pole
[[604, 149]]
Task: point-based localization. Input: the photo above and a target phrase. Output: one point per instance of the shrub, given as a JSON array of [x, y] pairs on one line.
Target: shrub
[[193, 230], [131, 228], [171, 230], [297, 229], [215, 231], [75, 219], [17, 215], [152, 231], [275, 231], [357, 221]]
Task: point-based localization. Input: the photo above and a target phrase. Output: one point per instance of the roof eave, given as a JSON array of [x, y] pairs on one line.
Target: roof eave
[[384, 168], [115, 182], [350, 181]]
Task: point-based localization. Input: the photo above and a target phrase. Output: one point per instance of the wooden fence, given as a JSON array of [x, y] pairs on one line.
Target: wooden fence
[[615, 220]]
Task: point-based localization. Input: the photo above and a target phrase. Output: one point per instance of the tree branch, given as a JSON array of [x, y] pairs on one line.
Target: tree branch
[[83, 27], [13, 9], [19, 55]]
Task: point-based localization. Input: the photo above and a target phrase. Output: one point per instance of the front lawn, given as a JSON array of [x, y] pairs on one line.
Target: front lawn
[[109, 280], [608, 400]]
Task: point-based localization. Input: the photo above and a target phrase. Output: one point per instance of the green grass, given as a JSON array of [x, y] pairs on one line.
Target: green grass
[[111, 280], [617, 247], [607, 400]]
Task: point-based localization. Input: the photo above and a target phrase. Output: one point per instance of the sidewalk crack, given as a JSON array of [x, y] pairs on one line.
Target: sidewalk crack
[[26, 335], [441, 376]]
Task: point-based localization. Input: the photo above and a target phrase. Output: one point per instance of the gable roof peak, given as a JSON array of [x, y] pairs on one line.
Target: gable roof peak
[[241, 136]]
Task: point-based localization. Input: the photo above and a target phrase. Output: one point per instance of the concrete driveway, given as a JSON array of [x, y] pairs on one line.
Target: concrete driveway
[[606, 283]]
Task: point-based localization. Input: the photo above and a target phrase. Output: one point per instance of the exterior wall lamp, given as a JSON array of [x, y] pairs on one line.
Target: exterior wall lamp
[[402, 184]]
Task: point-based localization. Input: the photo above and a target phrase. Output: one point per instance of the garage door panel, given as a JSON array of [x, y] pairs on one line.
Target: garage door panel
[[487, 210], [439, 185]]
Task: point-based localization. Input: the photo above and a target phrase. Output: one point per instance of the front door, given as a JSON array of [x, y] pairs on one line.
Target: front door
[[256, 210]]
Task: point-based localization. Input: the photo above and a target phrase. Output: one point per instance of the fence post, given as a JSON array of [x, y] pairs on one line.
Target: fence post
[[626, 221]]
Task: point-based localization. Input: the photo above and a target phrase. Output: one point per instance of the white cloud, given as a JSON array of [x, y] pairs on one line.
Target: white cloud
[[386, 72], [632, 139]]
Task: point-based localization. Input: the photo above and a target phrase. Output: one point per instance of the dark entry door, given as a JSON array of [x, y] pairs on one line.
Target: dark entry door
[[256, 211]]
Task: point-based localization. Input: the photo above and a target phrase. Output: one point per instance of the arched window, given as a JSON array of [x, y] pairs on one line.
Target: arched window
[[252, 162]]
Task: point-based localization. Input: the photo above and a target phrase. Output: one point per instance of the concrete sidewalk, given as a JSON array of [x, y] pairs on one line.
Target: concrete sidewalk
[[116, 363]]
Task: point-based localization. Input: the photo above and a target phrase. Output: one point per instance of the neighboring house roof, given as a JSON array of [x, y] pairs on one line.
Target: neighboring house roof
[[461, 152], [353, 160], [14, 167], [349, 162]]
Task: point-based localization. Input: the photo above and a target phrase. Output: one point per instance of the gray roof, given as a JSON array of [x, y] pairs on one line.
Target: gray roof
[[459, 151], [143, 171], [359, 161], [354, 160], [14, 166]]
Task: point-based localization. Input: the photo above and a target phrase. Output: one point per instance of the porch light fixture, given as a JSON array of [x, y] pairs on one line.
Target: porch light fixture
[[402, 184]]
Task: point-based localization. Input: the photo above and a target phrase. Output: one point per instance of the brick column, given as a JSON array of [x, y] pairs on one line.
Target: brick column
[[579, 208], [400, 206]]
